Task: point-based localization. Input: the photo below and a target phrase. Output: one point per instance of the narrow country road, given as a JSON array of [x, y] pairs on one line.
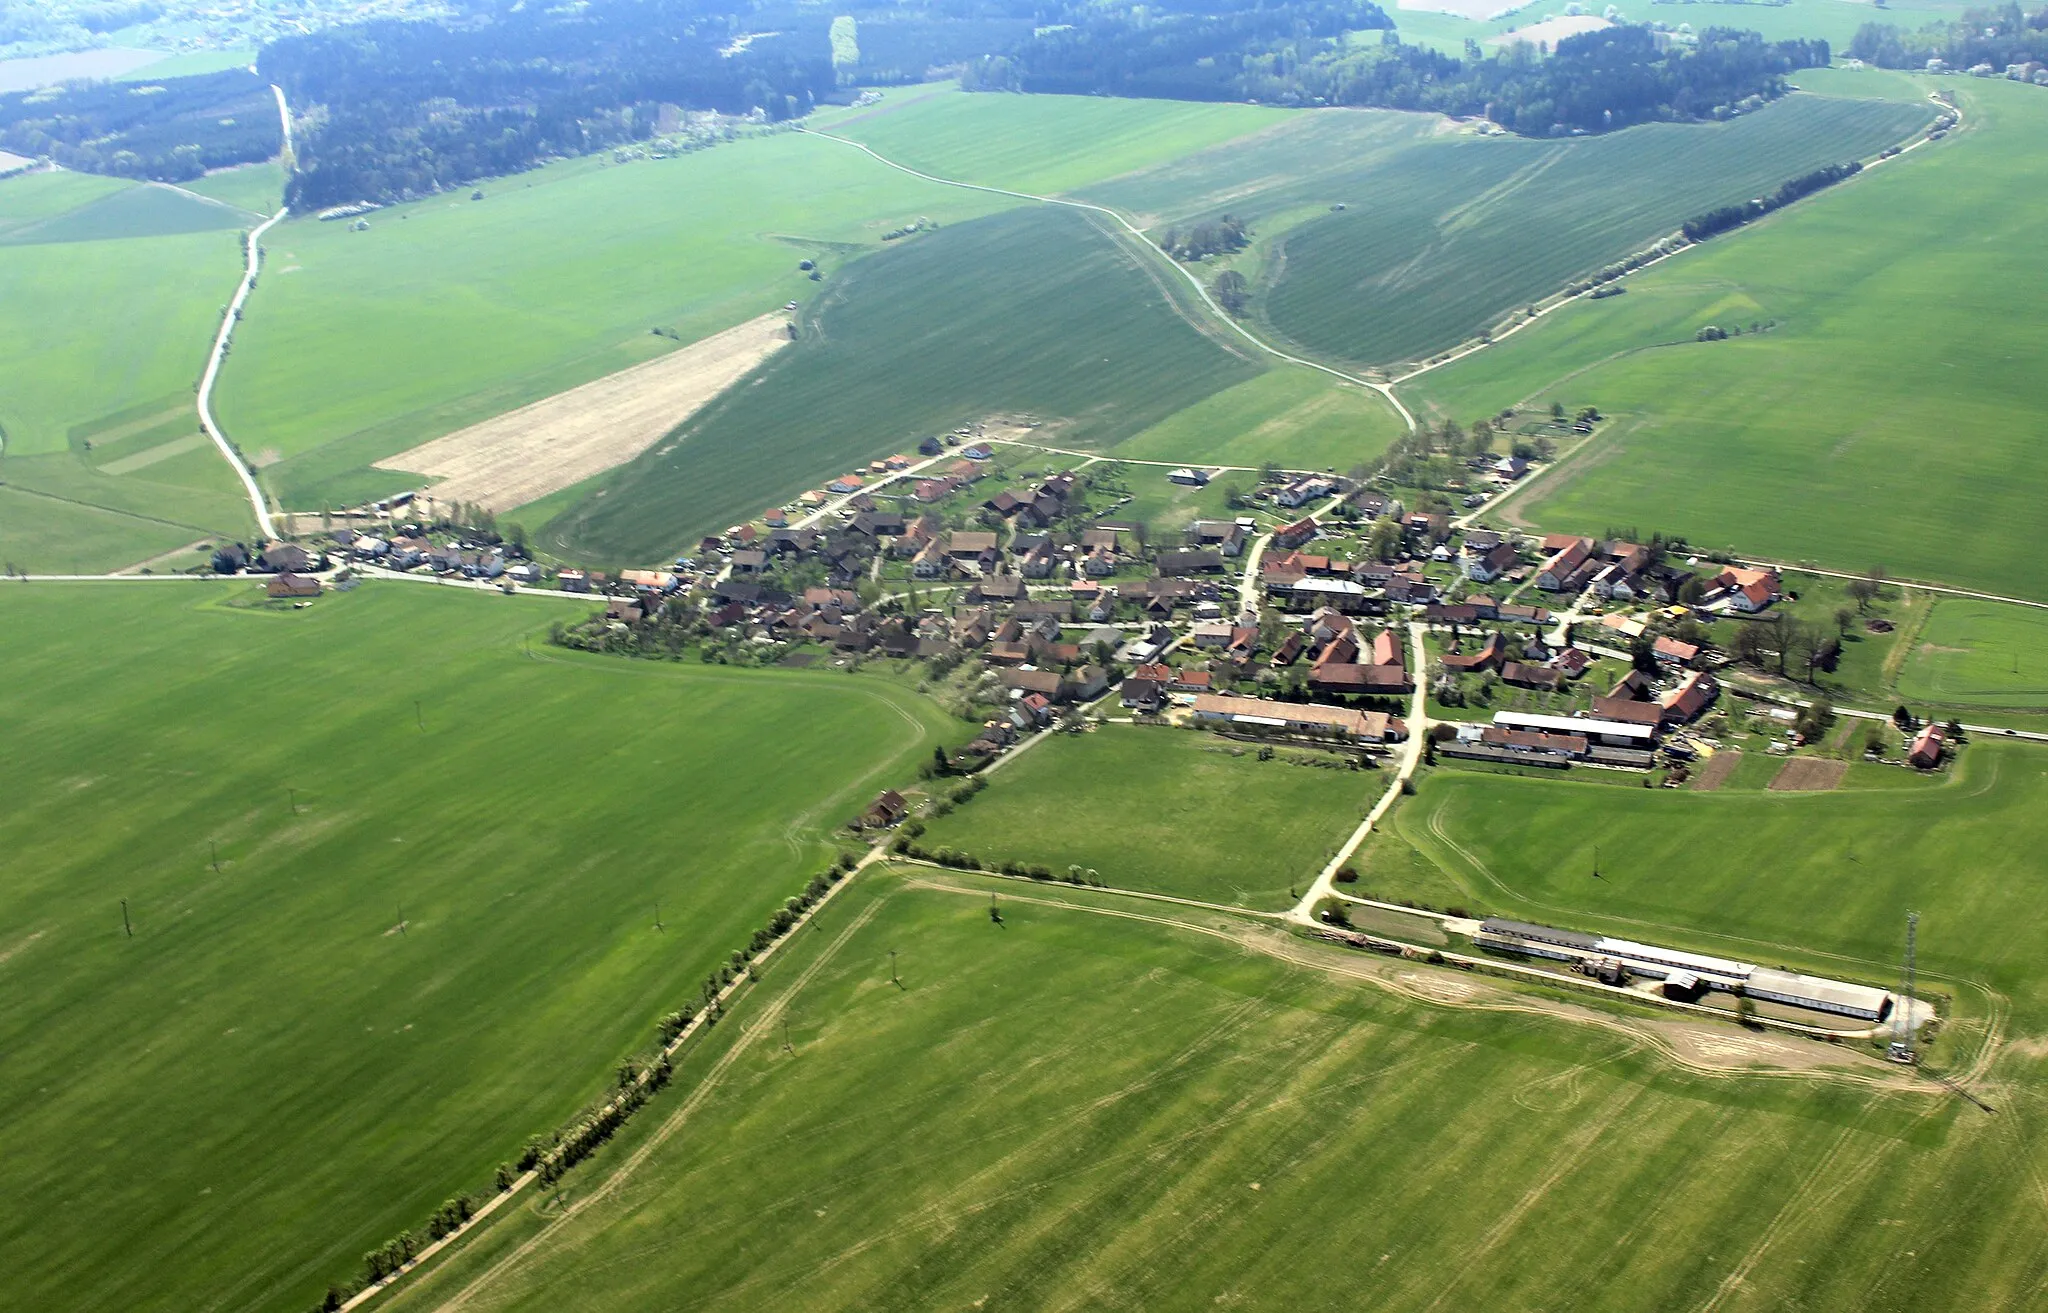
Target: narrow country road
[[1304, 912], [254, 260], [1384, 389]]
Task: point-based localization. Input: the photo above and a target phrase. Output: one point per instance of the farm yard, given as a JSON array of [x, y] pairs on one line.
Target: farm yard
[[1157, 1115], [1379, 240], [1774, 441], [1037, 312], [394, 889], [538, 450], [1165, 811]]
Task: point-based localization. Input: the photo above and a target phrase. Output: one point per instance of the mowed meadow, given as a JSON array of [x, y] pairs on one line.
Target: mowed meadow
[[1979, 654], [1040, 311], [430, 932], [1895, 379], [1089, 1104], [110, 292]]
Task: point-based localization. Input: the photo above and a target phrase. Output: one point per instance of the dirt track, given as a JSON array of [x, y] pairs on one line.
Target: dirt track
[[525, 454]]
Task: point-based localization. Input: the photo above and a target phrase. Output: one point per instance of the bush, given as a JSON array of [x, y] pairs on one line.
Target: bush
[[1347, 875]]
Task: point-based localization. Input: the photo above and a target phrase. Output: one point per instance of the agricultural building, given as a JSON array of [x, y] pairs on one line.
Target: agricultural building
[[1688, 970]]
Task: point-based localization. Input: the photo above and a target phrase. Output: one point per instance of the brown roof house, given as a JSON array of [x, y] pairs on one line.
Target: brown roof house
[[887, 809]]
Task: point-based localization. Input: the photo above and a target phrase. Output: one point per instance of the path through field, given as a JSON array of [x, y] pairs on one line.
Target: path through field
[[1384, 389], [219, 353]]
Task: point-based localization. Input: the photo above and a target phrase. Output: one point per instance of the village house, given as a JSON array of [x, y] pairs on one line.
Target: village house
[[1925, 754], [1749, 591], [1226, 537], [1290, 536], [1488, 657], [887, 809], [288, 585], [1304, 490], [1490, 565], [1694, 694], [1567, 568], [1301, 717]]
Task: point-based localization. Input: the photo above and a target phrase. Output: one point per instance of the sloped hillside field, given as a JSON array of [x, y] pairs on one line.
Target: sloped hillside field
[[1037, 311], [1441, 234]]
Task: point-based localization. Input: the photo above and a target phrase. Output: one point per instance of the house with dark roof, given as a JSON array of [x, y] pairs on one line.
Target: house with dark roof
[[1564, 564], [887, 809], [288, 585]]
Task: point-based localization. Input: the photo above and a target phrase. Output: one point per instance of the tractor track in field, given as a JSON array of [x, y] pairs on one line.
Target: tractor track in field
[[1677, 1041]]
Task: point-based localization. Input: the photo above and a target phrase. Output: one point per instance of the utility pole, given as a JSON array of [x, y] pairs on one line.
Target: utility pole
[[418, 717], [657, 914], [124, 919], [295, 799], [215, 848], [892, 970], [401, 918]]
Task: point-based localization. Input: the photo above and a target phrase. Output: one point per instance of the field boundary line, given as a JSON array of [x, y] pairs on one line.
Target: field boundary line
[[1384, 389], [901, 859]]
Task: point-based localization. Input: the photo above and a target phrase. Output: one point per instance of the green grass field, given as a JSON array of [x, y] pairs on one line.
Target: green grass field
[[258, 188], [109, 296], [1821, 879], [1166, 811], [358, 345], [1038, 312], [1820, 439], [1083, 1110], [1441, 234], [1041, 144], [1979, 654], [1296, 418], [1166, 508], [269, 1078]]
